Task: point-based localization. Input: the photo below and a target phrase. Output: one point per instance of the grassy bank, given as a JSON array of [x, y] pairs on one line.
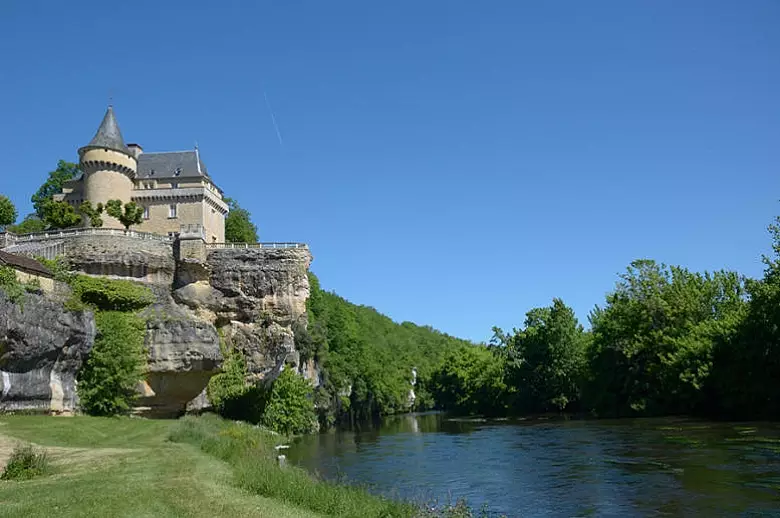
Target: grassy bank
[[197, 466], [250, 453], [124, 467]]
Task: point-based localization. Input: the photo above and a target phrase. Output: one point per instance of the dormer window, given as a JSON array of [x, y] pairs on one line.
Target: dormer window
[[177, 171], [151, 172]]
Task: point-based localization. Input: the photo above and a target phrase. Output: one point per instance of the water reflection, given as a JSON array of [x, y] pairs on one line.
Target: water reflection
[[669, 467]]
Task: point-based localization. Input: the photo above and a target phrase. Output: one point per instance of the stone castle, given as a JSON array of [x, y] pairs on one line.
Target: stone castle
[[210, 295], [174, 188]]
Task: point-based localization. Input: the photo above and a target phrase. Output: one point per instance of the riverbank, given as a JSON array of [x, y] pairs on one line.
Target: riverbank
[[196, 466]]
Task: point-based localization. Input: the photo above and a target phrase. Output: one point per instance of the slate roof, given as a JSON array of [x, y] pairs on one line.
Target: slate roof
[[162, 165], [108, 134], [21, 262]]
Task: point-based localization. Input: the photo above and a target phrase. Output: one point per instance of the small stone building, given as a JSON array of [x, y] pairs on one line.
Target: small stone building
[[174, 188], [28, 270]]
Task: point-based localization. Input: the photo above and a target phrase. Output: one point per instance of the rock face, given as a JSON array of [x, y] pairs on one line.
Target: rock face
[[249, 300], [183, 355], [42, 348], [254, 296]]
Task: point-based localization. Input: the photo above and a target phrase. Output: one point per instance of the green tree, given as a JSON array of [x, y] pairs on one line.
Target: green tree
[[93, 213], [546, 359], [107, 382], [290, 407], [238, 224], [65, 171], [654, 340], [470, 380], [31, 223], [747, 362], [7, 212], [59, 214], [131, 214]]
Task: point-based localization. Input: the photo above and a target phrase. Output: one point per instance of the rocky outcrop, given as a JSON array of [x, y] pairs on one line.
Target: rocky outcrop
[[183, 354], [42, 348], [254, 296], [246, 299]]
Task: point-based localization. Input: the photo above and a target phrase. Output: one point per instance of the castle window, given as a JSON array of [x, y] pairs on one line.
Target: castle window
[[146, 212], [174, 185], [172, 211]]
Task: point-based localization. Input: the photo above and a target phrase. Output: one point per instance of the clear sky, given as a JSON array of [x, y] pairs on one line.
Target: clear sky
[[451, 163]]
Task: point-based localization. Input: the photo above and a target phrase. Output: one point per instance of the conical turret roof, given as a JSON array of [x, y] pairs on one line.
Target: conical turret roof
[[108, 134]]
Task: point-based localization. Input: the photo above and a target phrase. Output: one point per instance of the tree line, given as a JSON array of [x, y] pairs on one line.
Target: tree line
[[666, 341]]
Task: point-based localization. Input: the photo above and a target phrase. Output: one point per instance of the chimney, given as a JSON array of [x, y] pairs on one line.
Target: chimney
[[135, 149]]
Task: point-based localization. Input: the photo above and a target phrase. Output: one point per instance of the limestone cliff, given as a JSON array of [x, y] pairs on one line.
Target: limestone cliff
[[254, 296], [247, 299], [42, 348]]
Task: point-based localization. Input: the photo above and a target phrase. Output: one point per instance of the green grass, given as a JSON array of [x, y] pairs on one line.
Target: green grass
[[125, 468], [250, 452], [196, 466]]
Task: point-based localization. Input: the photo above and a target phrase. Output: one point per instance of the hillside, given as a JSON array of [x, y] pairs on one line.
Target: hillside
[[367, 358]]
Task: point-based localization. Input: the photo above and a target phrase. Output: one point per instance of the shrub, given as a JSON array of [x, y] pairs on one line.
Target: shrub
[[108, 380], [229, 393], [290, 408], [25, 463], [59, 267], [10, 284], [111, 295]]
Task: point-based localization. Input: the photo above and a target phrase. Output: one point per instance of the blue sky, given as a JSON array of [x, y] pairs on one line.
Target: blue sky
[[450, 163]]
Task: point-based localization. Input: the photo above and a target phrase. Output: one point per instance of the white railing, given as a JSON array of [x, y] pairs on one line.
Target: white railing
[[72, 232], [45, 249], [239, 246]]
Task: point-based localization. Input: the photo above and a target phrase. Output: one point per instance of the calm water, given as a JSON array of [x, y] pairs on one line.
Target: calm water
[[643, 467]]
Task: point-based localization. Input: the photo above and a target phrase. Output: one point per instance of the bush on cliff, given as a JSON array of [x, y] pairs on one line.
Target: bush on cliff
[[111, 295], [286, 407], [107, 382], [229, 393]]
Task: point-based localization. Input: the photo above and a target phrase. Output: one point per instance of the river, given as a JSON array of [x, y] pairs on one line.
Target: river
[[536, 467]]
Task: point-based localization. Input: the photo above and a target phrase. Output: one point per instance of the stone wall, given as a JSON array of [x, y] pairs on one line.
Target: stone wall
[[47, 284], [122, 257]]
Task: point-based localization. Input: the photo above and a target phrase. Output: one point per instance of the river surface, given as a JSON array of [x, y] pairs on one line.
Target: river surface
[[535, 467]]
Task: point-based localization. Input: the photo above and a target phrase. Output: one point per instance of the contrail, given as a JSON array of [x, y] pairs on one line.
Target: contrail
[[273, 119]]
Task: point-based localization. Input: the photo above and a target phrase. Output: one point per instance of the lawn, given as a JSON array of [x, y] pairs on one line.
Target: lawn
[[124, 467]]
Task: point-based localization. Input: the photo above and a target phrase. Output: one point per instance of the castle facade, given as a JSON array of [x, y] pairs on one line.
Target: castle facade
[[174, 188]]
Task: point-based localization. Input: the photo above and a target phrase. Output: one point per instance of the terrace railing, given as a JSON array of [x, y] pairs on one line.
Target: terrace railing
[[73, 232], [255, 245]]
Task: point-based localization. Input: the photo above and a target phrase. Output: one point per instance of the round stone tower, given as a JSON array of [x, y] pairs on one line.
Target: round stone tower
[[109, 168]]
